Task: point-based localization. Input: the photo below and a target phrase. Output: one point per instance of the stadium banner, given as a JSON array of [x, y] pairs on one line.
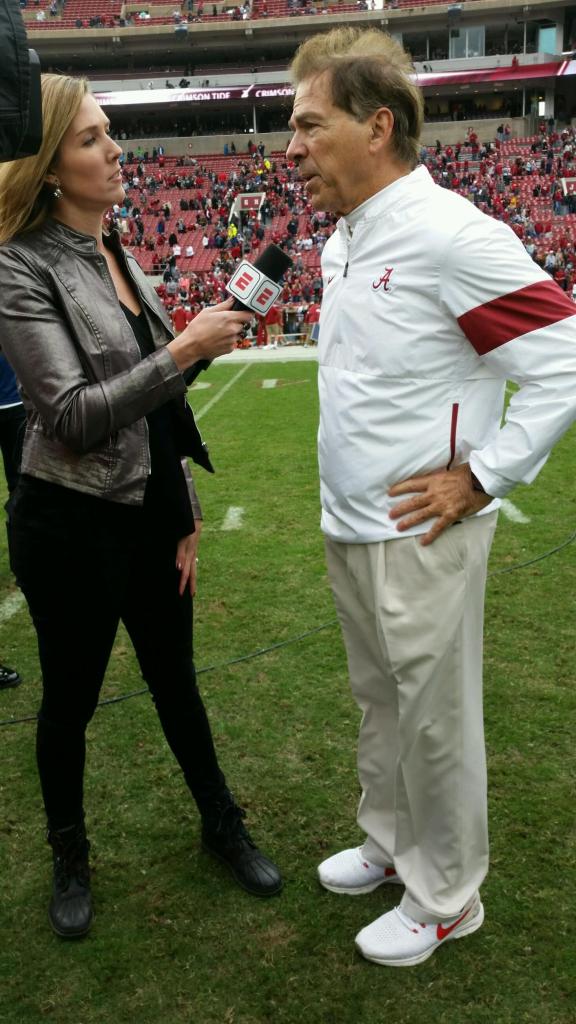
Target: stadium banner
[[138, 97], [148, 97], [516, 73]]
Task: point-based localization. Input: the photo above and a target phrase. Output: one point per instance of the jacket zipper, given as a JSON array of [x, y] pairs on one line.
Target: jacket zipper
[[348, 241], [453, 426]]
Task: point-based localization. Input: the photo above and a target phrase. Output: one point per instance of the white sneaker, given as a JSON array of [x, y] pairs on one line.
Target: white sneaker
[[350, 873], [396, 940]]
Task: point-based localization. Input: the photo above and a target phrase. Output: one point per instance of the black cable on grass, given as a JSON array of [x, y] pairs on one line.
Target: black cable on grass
[[532, 561], [296, 639]]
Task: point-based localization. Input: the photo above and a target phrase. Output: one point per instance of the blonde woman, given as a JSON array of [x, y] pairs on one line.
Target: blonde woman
[[103, 524]]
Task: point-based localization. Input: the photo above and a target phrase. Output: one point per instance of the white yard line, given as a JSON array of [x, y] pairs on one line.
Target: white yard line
[[221, 393], [12, 604], [511, 512], [233, 518]]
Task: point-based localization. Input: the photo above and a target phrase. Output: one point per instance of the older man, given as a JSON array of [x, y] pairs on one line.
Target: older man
[[429, 306]]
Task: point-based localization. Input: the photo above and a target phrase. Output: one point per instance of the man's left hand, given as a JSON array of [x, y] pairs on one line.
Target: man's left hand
[[446, 495]]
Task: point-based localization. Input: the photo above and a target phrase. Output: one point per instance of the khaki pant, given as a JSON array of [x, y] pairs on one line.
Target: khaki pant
[[412, 620]]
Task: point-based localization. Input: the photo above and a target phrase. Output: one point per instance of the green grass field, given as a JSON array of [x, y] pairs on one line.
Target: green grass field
[[174, 940]]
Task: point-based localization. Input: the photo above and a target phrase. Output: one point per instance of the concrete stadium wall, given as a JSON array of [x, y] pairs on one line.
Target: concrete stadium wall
[[198, 145], [485, 127], [446, 131]]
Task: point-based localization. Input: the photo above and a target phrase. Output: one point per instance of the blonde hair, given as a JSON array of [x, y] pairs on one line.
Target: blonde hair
[[25, 197], [368, 70]]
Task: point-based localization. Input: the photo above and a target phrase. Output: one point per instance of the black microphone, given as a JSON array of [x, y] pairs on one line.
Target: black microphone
[[255, 288], [20, 90]]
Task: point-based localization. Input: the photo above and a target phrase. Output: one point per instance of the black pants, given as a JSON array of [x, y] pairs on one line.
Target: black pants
[[83, 566], [12, 427]]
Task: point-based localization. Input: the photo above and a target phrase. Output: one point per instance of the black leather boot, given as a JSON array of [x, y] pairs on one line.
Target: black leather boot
[[70, 910], [225, 836]]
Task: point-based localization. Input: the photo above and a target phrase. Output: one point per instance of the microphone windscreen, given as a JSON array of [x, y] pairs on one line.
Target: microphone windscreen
[[273, 262]]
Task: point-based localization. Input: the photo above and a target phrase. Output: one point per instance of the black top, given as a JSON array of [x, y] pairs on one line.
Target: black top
[[166, 498]]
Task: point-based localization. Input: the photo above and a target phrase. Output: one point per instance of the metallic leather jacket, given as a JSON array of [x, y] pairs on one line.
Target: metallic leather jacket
[[84, 385]]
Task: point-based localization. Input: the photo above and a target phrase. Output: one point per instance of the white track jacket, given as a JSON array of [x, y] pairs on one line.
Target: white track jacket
[[429, 307]]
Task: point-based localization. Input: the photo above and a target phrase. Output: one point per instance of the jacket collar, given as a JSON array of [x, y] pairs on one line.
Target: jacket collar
[[77, 240], [391, 197], [86, 246]]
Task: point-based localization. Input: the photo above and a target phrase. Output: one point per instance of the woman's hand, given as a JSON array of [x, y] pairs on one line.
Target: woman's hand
[[187, 559], [215, 331]]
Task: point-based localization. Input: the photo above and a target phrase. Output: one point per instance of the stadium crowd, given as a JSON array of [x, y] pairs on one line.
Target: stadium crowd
[[177, 214]]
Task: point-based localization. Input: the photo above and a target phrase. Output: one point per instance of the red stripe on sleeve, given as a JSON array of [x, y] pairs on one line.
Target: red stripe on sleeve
[[510, 316]]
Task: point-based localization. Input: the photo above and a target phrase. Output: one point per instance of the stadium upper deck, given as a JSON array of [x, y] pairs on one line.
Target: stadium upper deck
[[475, 41], [54, 14]]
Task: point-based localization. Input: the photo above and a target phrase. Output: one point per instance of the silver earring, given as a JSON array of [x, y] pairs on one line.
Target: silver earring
[[57, 193]]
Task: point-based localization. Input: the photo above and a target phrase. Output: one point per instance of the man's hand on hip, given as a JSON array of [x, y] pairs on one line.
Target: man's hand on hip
[[446, 495]]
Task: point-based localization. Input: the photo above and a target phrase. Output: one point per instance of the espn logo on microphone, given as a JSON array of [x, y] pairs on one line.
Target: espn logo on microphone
[[252, 288]]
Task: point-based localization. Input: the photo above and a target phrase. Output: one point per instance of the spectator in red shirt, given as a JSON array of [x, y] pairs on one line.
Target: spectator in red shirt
[[261, 333], [275, 323], [179, 318], [312, 319], [560, 276]]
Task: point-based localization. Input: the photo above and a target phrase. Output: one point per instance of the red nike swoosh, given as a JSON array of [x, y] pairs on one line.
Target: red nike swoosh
[[442, 932]]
